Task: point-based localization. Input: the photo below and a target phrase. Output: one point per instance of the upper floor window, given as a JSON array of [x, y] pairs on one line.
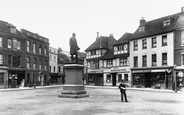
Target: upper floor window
[[1, 42], [54, 58], [166, 22], [135, 45], [1, 59], [182, 38], [34, 48], [18, 45], [123, 61], [154, 59], [45, 64], [109, 63], [28, 62], [144, 44], [154, 42], [16, 61], [142, 29], [164, 40], [34, 63], [9, 43], [13, 30], [164, 58], [93, 52], [50, 57], [40, 49], [28, 46], [136, 61], [40, 64], [144, 60], [45, 51]]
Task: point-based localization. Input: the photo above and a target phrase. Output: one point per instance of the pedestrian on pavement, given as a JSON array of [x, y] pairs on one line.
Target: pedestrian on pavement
[[122, 88]]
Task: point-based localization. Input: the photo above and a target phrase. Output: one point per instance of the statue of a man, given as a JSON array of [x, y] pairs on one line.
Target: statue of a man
[[73, 48]]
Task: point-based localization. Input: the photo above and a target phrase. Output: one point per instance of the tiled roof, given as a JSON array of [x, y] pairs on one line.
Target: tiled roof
[[156, 27], [123, 39], [5, 27], [102, 43], [109, 54]]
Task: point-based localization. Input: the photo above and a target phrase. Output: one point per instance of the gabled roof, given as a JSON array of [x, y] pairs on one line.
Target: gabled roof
[[124, 39], [156, 27], [102, 42], [5, 27]]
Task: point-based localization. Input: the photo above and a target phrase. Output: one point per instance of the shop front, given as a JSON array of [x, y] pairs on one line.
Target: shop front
[[158, 78], [3, 77], [113, 76], [179, 71], [16, 79], [95, 77]]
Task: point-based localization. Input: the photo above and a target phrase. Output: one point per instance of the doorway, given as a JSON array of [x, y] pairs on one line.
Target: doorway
[[113, 79], [147, 80]]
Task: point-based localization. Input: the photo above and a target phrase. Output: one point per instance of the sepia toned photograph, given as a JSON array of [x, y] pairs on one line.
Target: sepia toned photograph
[[92, 57]]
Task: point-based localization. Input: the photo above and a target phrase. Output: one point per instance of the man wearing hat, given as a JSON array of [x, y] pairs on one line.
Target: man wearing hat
[[122, 88]]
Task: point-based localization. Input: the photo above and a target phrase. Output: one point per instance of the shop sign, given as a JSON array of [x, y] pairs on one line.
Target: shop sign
[[17, 68], [95, 71], [158, 70], [118, 70], [141, 71]]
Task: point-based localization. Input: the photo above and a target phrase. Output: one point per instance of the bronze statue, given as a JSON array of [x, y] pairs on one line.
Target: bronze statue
[[73, 48]]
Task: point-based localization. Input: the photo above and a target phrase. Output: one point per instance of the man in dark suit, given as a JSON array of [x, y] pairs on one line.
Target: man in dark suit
[[122, 88], [73, 48]]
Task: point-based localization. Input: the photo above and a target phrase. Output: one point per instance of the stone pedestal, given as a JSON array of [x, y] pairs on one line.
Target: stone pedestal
[[73, 87]]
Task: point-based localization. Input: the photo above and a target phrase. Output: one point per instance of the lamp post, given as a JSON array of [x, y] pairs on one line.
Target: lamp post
[[175, 79]]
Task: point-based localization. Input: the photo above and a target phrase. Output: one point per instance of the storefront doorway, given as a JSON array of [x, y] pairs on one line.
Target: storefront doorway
[[114, 79], [147, 80], [16, 79]]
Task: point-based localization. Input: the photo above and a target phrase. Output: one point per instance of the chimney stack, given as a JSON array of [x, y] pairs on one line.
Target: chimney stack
[[97, 36], [142, 21], [182, 9]]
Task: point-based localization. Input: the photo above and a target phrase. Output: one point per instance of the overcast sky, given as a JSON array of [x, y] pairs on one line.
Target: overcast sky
[[58, 19]]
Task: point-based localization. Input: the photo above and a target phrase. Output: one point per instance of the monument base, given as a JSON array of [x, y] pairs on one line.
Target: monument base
[[73, 91]]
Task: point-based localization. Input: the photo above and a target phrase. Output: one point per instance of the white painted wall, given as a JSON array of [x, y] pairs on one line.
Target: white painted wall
[[169, 49], [53, 52]]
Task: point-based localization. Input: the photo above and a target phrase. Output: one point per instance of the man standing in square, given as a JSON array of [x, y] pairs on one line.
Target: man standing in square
[[122, 88]]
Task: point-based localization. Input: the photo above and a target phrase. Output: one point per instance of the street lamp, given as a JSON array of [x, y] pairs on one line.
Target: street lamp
[[175, 78]]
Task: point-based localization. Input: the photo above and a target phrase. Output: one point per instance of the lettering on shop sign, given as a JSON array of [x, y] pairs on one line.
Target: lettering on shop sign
[[17, 68], [96, 71], [141, 71], [118, 70]]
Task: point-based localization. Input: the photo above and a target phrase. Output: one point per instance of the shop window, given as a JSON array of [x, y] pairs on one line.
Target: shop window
[[108, 78], [1, 59], [135, 61], [135, 45], [164, 58], [126, 77], [154, 42], [138, 79], [154, 59], [144, 60], [119, 77], [164, 40], [144, 44], [1, 78]]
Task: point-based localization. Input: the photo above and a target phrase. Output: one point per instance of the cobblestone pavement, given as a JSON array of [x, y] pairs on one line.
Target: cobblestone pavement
[[102, 101]]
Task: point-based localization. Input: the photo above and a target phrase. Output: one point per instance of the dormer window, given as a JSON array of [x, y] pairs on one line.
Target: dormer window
[[166, 22], [141, 28]]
